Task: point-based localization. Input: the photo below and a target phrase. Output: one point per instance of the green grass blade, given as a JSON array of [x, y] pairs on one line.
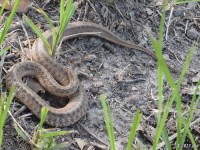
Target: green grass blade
[[2, 99], [187, 63], [8, 102], [67, 11], [67, 14], [165, 138], [38, 32], [140, 145], [51, 142], [65, 17], [21, 133], [44, 112], [8, 21], [62, 5], [3, 51], [134, 127], [3, 6], [192, 140], [53, 134], [46, 17], [108, 122], [161, 125], [1, 137], [53, 30], [162, 21], [193, 108], [59, 146], [4, 111], [160, 93], [161, 62], [179, 116]]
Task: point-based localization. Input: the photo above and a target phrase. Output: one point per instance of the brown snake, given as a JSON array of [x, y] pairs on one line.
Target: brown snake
[[58, 80]]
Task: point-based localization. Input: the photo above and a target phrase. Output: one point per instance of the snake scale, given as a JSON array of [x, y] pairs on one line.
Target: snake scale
[[56, 79]]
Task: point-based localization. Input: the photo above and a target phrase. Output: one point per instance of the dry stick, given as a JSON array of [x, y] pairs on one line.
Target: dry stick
[[119, 11], [26, 33], [91, 5], [15, 121], [160, 14], [1, 66], [86, 10], [168, 49], [45, 3], [160, 145], [168, 24], [19, 111], [25, 53], [20, 44], [186, 26]]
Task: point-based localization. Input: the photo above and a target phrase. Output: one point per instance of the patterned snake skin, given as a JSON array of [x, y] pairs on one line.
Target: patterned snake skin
[[58, 80]]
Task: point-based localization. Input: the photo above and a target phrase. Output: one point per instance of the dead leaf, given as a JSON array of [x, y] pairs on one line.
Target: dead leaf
[[23, 5]]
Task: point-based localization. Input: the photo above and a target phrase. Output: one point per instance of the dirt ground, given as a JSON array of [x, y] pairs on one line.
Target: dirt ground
[[127, 77]]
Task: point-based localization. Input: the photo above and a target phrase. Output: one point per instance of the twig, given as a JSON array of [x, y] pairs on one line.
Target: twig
[[131, 81], [23, 108], [119, 11], [1, 66], [26, 34], [169, 20], [15, 121], [91, 5], [186, 26], [86, 10]]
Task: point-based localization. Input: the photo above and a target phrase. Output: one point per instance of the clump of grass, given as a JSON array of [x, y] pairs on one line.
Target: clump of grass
[[67, 9], [4, 107], [182, 124], [7, 23], [42, 138], [175, 97], [110, 129], [5, 100]]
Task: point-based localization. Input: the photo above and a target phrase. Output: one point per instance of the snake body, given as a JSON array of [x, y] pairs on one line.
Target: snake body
[[56, 79]]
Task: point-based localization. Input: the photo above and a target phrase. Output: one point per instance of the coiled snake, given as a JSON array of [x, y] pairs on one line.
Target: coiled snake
[[56, 79]]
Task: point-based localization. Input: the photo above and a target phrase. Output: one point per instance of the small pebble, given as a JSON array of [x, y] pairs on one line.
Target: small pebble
[[95, 90], [178, 12], [149, 11], [11, 55], [89, 58], [191, 5], [46, 26], [192, 34]]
